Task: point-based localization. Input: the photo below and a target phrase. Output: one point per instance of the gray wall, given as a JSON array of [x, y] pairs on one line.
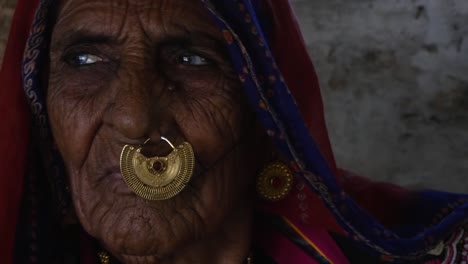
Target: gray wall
[[394, 76], [6, 14]]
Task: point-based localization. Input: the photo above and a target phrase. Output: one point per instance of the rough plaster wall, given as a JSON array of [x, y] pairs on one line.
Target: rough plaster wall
[[6, 14], [394, 76]]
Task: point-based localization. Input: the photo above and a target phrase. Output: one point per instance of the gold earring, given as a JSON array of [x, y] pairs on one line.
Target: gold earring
[[157, 178], [274, 182]]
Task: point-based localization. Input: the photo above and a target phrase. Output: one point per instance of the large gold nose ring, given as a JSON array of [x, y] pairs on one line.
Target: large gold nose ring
[[157, 178]]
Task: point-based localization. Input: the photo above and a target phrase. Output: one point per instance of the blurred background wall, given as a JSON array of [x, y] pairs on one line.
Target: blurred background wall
[[6, 14], [394, 77]]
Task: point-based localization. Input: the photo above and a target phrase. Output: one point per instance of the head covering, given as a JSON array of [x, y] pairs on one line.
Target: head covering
[[14, 132], [270, 58]]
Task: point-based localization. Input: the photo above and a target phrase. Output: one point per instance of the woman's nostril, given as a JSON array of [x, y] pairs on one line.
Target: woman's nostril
[[156, 149]]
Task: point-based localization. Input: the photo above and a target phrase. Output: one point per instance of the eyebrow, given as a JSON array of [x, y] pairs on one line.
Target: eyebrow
[[76, 37], [84, 37]]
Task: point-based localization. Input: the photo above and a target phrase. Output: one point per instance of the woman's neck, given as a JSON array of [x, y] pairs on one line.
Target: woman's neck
[[232, 243]]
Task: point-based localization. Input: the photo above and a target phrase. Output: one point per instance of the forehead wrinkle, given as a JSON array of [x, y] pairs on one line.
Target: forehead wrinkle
[[79, 6], [76, 16], [182, 19], [155, 20], [124, 21]]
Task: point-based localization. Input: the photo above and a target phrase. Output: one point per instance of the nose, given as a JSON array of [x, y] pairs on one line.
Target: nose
[[137, 110]]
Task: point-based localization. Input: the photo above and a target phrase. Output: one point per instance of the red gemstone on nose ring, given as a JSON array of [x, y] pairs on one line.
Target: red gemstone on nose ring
[[158, 166], [276, 182]]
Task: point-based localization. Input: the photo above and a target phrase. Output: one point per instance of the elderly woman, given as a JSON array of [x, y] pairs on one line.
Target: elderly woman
[[188, 132]]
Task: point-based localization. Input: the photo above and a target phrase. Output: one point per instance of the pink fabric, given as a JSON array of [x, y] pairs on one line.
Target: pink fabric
[[323, 241], [282, 250]]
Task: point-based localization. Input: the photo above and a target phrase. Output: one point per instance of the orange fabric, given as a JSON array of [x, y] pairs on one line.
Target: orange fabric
[[14, 129]]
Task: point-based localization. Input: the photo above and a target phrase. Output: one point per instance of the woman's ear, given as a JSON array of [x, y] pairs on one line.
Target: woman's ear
[[264, 142], [274, 178]]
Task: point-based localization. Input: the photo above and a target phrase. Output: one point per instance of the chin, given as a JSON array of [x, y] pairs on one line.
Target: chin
[[132, 228]]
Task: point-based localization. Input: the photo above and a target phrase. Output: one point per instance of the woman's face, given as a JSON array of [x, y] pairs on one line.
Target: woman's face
[[125, 71]]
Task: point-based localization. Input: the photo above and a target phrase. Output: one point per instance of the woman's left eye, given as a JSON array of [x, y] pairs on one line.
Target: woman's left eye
[[192, 59]]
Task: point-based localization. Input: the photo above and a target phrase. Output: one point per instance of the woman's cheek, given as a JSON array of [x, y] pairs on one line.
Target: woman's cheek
[[212, 123], [73, 117]]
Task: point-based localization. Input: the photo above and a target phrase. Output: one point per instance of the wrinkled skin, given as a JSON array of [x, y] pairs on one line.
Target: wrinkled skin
[[124, 71]]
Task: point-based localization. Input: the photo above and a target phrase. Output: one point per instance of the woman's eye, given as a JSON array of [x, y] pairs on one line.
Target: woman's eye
[[194, 60], [83, 59]]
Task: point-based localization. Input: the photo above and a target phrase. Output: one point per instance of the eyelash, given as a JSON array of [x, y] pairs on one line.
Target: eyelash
[[197, 61], [83, 59]]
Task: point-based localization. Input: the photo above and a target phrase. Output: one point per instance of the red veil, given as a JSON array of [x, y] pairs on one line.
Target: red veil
[[14, 131]]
